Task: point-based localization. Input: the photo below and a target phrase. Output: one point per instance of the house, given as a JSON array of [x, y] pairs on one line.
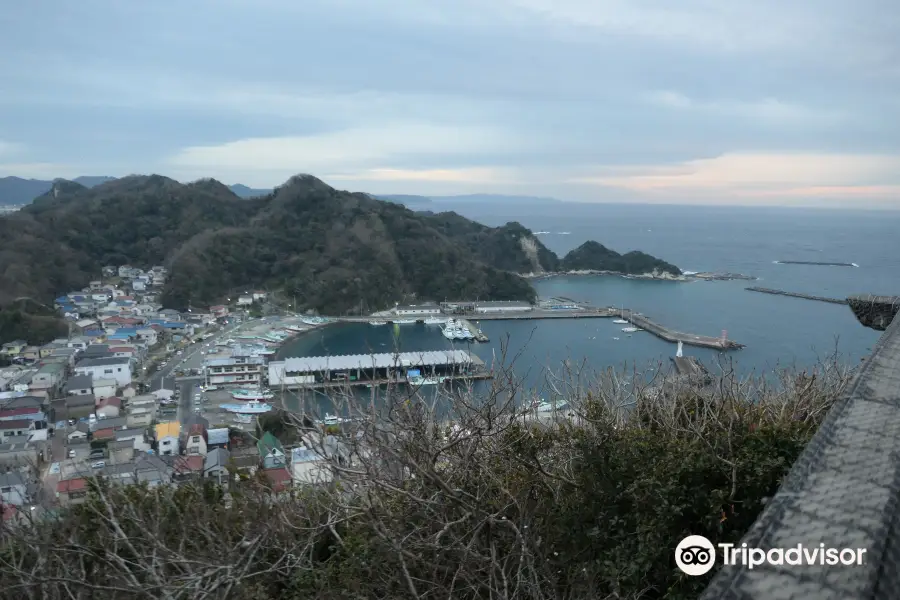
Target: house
[[104, 388], [116, 423], [186, 468], [217, 438], [109, 271], [258, 295], [216, 465], [271, 452], [279, 479], [139, 285], [122, 473], [49, 377], [219, 310], [31, 352], [137, 437], [245, 300], [15, 428], [109, 407], [167, 438], [12, 349], [168, 314], [72, 491], [152, 470], [106, 368], [147, 335], [95, 351], [195, 440], [68, 355], [79, 385], [13, 489], [25, 412], [120, 451], [79, 343], [309, 467], [104, 434], [86, 324], [81, 432], [140, 416], [48, 348], [16, 452]]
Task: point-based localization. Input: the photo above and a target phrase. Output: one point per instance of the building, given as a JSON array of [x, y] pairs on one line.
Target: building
[[245, 300], [308, 467], [120, 451], [167, 438], [15, 428], [188, 468], [271, 452], [109, 407], [79, 385], [217, 438], [216, 465], [13, 349], [106, 368], [20, 453], [49, 377], [502, 307], [152, 470], [72, 491], [25, 412], [246, 370], [104, 388], [196, 440], [416, 310], [13, 489]]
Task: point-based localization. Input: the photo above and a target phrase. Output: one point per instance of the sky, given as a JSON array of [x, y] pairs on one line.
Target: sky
[[653, 101]]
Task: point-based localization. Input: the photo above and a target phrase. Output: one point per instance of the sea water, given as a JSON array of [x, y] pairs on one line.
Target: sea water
[[777, 331]]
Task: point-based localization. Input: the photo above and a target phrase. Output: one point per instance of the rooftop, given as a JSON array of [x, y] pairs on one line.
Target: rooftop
[[317, 364], [168, 429], [102, 362]]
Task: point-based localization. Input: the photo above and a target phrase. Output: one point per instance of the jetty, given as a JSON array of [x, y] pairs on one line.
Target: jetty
[[669, 335], [813, 262], [763, 290]]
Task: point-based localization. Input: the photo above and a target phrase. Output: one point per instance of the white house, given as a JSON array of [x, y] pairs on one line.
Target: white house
[[79, 343], [309, 467], [167, 438], [109, 408], [104, 388], [195, 442], [148, 335], [216, 465], [244, 299], [117, 368], [139, 285], [13, 489], [79, 385], [259, 295]]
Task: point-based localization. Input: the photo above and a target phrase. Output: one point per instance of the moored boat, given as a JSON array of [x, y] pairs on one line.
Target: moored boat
[[377, 323], [435, 320], [248, 408], [252, 394]]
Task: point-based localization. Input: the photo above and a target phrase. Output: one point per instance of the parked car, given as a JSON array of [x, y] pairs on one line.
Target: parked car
[[98, 465]]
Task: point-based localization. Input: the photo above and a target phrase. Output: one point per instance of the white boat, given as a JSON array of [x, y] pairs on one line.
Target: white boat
[[252, 394], [377, 323], [630, 329], [544, 406], [435, 321], [620, 321], [296, 328], [248, 408], [332, 420], [404, 321], [243, 419]]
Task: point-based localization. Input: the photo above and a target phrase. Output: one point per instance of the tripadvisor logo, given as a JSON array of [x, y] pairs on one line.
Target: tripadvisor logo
[[695, 555]]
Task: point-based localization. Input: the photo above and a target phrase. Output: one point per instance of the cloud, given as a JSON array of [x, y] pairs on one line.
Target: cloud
[[768, 110], [765, 175], [365, 148]]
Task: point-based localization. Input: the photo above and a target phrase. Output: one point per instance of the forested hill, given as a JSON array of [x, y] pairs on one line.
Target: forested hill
[[592, 256], [334, 251]]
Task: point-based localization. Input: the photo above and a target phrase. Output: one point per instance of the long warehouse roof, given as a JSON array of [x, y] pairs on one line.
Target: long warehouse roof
[[318, 364]]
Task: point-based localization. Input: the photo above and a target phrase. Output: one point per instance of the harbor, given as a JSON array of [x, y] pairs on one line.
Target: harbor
[[763, 290]]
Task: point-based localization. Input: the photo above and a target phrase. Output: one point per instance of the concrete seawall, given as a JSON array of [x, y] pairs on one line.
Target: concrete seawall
[[796, 295]]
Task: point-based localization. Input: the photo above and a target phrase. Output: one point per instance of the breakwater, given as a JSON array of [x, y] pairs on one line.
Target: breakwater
[[763, 290], [813, 262], [669, 335]]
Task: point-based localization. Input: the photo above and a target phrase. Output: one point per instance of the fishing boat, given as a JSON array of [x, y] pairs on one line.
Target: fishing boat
[[377, 323], [620, 321], [543, 406], [404, 321], [435, 321], [630, 329], [252, 394], [295, 329], [248, 408], [243, 419]]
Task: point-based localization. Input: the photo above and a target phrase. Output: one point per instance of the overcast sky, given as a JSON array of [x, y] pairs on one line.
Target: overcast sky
[[697, 101]]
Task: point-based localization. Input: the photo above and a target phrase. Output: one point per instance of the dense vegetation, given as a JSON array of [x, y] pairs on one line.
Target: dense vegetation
[[495, 507], [321, 248], [591, 256]]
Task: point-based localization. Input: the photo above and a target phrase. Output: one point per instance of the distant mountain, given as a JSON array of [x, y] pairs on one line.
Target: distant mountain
[[422, 202], [15, 190], [243, 191]]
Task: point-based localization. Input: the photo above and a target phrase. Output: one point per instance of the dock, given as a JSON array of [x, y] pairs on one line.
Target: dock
[[797, 295], [323, 372], [475, 331], [689, 339], [689, 366]]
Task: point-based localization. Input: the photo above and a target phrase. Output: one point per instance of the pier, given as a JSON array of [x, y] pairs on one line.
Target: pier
[[322, 372], [689, 339], [475, 331], [796, 295], [812, 262]]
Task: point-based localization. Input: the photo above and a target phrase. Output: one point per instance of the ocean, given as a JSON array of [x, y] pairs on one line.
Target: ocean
[[777, 331]]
